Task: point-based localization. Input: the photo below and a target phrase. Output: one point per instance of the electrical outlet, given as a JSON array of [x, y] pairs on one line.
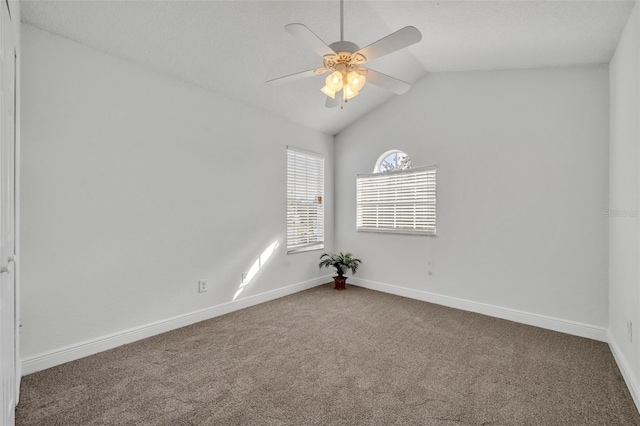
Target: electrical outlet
[[630, 330], [202, 286], [244, 277]]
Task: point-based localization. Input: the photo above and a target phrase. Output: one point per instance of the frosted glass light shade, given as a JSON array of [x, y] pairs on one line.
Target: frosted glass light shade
[[330, 93], [349, 92], [334, 81], [356, 81]]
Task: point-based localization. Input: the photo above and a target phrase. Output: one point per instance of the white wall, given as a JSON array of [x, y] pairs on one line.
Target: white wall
[[624, 189], [135, 186], [522, 161]]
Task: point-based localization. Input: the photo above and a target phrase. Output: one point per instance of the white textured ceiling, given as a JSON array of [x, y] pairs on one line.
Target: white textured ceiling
[[232, 47]]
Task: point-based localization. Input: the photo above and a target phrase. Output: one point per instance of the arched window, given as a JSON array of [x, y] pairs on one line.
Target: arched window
[[392, 160]]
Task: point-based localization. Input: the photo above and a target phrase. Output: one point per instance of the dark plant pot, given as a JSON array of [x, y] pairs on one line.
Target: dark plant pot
[[339, 283]]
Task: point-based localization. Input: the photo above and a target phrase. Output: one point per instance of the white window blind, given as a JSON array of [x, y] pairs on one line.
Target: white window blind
[[305, 200], [402, 201]]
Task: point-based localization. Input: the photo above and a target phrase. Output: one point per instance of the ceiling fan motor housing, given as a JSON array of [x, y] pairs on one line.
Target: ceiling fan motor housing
[[344, 59], [344, 46]]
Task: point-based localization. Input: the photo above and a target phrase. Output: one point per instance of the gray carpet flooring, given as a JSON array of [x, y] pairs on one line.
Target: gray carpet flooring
[[323, 357]]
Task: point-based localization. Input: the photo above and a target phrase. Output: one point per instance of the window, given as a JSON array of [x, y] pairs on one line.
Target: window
[[305, 197], [402, 200], [392, 160]]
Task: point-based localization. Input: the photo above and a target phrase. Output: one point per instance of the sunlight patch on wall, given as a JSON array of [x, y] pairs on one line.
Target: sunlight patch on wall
[[256, 266]]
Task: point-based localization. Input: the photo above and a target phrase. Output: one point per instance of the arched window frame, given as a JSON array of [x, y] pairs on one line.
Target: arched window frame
[[401, 161]]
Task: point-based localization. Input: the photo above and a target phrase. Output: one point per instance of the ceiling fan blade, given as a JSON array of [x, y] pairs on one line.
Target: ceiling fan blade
[[394, 41], [333, 102], [296, 76], [304, 34], [386, 82]]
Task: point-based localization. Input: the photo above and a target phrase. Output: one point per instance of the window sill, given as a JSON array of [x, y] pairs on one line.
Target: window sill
[[400, 231], [305, 249]]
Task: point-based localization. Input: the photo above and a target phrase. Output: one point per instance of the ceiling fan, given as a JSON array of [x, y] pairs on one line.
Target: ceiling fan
[[344, 59]]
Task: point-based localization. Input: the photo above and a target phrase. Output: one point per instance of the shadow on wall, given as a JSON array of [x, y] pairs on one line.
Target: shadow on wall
[[255, 267]]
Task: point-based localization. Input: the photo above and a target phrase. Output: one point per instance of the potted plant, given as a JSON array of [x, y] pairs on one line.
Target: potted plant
[[342, 262]]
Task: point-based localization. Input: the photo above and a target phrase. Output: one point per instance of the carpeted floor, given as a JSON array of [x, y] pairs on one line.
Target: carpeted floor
[[323, 357]]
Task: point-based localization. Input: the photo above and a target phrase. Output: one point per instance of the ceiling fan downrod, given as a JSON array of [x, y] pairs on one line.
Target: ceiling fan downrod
[[341, 20]]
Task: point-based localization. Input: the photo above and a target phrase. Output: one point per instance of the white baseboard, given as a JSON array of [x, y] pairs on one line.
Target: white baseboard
[[625, 369], [89, 347], [537, 320]]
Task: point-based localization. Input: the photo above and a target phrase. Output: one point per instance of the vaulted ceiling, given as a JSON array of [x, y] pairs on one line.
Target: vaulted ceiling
[[232, 47]]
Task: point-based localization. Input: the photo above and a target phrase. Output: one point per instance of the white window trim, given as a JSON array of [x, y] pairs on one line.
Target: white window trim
[[364, 188], [315, 189]]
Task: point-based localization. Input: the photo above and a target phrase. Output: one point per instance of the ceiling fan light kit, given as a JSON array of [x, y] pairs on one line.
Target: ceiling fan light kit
[[343, 59]]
